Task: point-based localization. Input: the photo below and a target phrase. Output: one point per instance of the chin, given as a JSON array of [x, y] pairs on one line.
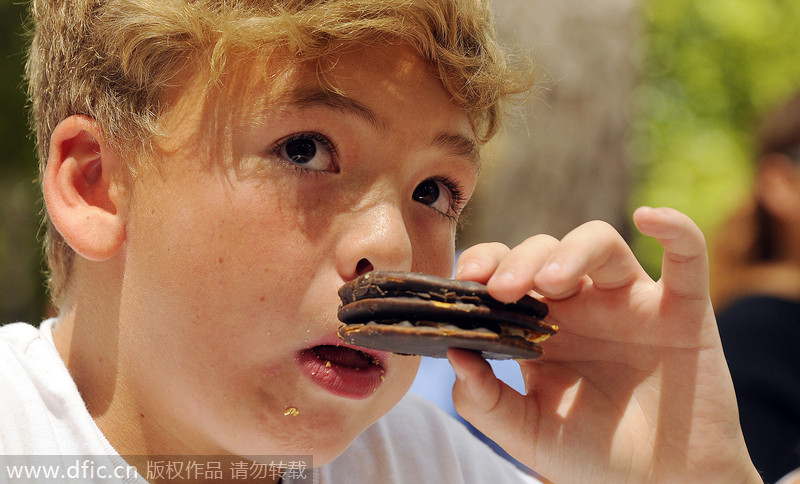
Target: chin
[[315, 420], [323, 429]]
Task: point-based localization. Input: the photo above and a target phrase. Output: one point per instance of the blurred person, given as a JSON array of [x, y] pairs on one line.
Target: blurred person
[[755, 280]]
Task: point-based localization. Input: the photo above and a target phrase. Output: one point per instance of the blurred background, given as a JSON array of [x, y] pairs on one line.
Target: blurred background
[[22, 291], [639, 102]]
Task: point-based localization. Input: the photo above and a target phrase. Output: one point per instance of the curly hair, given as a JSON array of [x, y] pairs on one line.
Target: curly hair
[[120, 61]]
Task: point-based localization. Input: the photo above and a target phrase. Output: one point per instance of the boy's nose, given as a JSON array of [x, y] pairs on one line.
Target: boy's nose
[[375, 239]]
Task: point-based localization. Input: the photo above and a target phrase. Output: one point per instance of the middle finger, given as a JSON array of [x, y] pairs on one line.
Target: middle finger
[[595, 249], [515, 272]]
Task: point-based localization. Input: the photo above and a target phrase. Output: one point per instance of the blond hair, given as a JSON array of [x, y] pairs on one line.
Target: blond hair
[[118, 61]]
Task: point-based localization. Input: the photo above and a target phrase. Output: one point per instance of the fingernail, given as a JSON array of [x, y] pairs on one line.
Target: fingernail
[[553, 267], [468, 267], [504, 277]]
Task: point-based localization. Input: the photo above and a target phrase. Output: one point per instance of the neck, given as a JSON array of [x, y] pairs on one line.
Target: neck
[[87, 339], [91, 338]]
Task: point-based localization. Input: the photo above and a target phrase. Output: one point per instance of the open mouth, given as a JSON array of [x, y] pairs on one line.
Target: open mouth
[[342, 370], [344, 356]]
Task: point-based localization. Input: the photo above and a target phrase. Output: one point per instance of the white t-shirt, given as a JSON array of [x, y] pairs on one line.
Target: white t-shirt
[[45, 427]]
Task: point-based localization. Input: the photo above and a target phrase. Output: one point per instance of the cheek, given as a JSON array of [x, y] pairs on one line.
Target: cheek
[[433, 248], [224, 234], [209, 255], [405, 368]]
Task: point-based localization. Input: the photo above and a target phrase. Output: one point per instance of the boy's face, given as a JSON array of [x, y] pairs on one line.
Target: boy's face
[[231, 275]]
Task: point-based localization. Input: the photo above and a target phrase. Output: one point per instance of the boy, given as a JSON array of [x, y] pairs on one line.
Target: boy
[[214, 171]]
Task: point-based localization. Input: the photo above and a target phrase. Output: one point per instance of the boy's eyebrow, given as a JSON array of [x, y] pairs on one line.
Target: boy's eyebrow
[[311, 96], [459, 144]]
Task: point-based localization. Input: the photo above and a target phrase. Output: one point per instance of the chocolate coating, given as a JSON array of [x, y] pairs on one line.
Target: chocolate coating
[[434, 342], [382, 284], [412, 313]]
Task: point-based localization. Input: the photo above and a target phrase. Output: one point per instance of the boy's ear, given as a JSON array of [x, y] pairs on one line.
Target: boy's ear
[[83, 191], [779, 186]]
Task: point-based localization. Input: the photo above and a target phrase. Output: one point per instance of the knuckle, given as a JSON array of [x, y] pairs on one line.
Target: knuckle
[[484, 248], [600, 226], [540, 239]]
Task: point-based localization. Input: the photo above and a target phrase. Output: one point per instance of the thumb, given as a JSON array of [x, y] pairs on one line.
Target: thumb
[[493, 407]]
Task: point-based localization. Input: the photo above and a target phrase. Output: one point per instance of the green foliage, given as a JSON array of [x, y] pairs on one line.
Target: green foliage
[[17, 147], [710, 70]]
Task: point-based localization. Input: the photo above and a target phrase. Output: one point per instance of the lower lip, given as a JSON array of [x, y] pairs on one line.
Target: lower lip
[[342, 381]]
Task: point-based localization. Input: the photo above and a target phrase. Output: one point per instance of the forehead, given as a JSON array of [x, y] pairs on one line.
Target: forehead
[[383, 77], [378, 84]]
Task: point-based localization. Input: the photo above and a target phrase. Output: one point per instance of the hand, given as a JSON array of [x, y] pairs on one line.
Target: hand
[[634, 387]]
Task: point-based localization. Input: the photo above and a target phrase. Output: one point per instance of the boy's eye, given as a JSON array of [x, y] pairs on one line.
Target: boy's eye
[[441, 195], [310, 151], [301, 150]]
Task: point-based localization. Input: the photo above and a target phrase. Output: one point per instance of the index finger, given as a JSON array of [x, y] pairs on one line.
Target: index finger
[[684, 270]]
